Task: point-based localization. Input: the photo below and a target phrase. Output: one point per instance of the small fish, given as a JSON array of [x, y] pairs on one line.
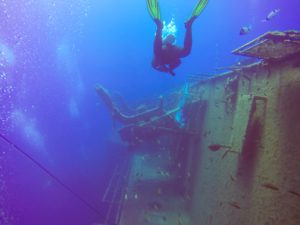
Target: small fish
[[294, 193], [271, 15], [270, 186], [245, 30], [217, 147], [235, 205]]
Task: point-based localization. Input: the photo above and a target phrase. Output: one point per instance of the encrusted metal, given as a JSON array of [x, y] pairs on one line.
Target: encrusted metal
[[272, 45]]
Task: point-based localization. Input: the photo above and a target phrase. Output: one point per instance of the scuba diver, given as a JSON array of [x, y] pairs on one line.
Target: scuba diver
[[167, 55]]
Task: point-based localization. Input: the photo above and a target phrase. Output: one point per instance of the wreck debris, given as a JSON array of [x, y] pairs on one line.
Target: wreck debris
[[229, 151], [199, 77], [125, 119], [145, 124], [246, 64]]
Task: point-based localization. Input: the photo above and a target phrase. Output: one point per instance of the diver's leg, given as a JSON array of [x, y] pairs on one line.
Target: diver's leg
[[173, 65], [158, 38], [188, 38], [156, 65]]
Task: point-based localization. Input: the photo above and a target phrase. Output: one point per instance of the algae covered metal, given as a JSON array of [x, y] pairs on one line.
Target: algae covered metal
[[272, 45]]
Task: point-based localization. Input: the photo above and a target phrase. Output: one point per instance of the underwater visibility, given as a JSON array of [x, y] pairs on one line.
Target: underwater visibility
[[149, 112]]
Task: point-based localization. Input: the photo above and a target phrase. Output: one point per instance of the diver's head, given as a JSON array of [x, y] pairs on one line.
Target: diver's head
[[169, 39]]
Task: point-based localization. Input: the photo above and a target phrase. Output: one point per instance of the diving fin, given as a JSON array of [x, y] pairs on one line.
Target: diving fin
[[199, 7], [153, 8]]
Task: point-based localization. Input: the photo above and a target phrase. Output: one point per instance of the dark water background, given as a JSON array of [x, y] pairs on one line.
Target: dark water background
[[53, 53]]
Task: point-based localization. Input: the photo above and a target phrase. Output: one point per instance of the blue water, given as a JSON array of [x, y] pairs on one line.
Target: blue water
[[54, 52]]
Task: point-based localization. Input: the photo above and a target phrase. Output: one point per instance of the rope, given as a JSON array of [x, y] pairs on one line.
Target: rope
[[51, 175]]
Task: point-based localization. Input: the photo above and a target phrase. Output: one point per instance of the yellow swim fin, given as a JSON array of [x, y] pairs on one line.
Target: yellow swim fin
[[199, 7], [153, 8]]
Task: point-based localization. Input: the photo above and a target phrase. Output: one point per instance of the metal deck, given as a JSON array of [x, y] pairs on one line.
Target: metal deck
[[272, 45]]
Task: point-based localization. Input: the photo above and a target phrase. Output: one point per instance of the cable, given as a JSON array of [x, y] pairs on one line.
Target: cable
[[51, 175]]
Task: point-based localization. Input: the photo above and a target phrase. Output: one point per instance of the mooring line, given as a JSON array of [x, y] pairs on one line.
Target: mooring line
[[86, 203]]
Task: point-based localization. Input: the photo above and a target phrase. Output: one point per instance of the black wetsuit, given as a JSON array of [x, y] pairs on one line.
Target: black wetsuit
[[167, 56]]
